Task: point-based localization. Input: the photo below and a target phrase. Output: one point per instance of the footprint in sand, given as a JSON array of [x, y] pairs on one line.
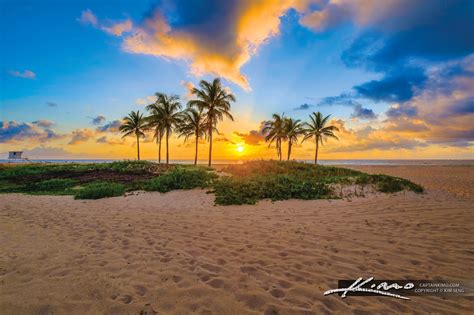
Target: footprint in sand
[[216, 283], [126, 299], [277, 293], [140, 290], [148, 310]]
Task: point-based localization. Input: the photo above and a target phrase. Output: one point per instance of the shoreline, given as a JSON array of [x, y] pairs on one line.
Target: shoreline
[[223, 163]]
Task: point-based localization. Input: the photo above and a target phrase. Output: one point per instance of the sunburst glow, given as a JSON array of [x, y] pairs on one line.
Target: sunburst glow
[[240, 148]]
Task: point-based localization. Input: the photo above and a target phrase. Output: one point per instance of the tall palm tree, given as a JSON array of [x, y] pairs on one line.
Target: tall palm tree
[[134, 124], [274, 132], [215, 101], [192, 125], [292, 130], [168, 112], [317, 128], [155, 123]]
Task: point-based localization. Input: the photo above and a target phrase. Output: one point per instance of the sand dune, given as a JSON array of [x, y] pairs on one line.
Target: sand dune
[[177, 253]]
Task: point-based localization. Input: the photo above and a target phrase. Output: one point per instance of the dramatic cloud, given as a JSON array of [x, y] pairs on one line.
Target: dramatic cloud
[[218, 44], [304, 106], [396, 86], [27, 74], [111, 141], [43, 123], [81, 135], [112, 126], [98, 120], [425, 60], [254, 137], [12, 131], [396, 110], [344, 99], [363, 113], [223, 138]]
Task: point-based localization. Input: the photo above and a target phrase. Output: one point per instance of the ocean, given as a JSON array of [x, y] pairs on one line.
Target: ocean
[[323, 162]]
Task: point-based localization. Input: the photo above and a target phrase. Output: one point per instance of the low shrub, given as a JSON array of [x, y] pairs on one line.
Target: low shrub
[[181, 178], [100, 190], [390, 184], [236, 191], [249, 190]]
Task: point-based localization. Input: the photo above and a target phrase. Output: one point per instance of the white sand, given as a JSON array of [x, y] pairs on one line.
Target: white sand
[[178, 253]]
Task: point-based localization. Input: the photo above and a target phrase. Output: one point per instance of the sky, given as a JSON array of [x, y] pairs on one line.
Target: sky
[[396, 76]]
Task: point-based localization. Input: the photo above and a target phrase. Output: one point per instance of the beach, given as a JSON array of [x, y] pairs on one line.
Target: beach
[[178, 253]]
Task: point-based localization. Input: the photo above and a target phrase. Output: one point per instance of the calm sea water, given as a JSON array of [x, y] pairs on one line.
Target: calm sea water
[[323, 162]]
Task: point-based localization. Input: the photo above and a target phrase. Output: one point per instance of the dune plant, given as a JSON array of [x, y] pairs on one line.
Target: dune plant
[[99, 190], [181, 178]]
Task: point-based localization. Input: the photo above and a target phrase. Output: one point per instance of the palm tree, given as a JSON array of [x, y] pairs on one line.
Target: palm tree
[[155, 123], [192, 125], [168, 113], [135, 124], [214, 101], [317, 128], [292, 130], [274, 132]]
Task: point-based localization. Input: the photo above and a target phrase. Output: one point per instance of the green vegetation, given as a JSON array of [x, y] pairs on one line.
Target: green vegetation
[[23, 172], [249, 190], [181, 178], [253, 181], [60, 179], [100, 190], [55, 185], [243, 184]]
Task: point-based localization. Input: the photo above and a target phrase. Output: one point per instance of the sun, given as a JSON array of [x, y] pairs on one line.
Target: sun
[[240, 148]]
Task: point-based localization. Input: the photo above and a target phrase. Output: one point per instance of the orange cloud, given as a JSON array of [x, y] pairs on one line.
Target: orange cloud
[[118, 29], [248, 27]]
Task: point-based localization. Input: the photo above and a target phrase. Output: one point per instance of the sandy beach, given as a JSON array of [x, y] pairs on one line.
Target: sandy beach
[[177, 253]]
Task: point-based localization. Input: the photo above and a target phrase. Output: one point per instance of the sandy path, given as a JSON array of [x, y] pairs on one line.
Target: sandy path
[[177, 253]]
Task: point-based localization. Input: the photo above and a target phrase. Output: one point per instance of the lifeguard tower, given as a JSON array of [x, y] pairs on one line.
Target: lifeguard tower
[[16, 156]]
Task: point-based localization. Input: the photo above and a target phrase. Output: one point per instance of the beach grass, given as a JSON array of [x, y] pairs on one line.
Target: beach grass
[[100, 190], [181, 178], [245, 183]]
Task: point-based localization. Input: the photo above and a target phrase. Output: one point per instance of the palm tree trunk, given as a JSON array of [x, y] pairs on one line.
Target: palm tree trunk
[[159, 149], [210, 145], [279, 149], [167, 147], [316, 153], [196, 153], [289, 150], [138, 148]]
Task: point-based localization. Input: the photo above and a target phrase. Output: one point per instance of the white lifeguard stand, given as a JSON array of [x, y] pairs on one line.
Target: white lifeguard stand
[[15, 155]]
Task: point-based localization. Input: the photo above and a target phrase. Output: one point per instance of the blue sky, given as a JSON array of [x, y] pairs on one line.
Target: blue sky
[[377, 74]]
